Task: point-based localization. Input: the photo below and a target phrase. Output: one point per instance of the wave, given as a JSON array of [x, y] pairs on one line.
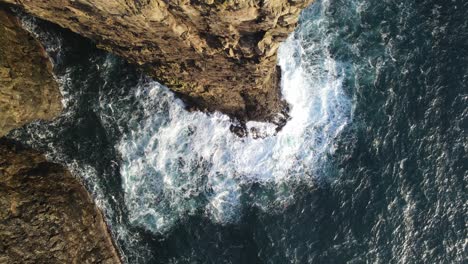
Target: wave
[[178, 163]]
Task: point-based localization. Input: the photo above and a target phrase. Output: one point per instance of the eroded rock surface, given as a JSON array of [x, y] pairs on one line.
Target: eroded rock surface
[[46, 215], [28, 90], [217, 54]]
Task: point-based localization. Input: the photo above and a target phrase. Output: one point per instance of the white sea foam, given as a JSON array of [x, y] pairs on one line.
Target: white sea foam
[[177, 163]]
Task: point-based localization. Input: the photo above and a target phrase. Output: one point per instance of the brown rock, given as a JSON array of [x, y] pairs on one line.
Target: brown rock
[[46, 215], [218, 55], [28, 90]]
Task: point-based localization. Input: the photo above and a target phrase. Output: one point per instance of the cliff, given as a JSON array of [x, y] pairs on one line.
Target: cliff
[[28, 90], [217, 54], [46, 215]]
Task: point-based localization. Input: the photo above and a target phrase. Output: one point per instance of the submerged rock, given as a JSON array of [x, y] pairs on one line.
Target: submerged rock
[[46, 215], [28, 90], [218, 55]]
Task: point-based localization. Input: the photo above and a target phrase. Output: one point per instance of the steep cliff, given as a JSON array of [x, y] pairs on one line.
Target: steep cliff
[[28, 90], [46, 215], [217, 54]]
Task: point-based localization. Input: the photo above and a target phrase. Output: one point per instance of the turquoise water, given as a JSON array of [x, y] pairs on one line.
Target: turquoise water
[[371, 168]]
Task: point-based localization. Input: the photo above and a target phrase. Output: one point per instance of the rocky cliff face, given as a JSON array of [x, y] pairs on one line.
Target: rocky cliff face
[[28, 90], [46, 215], [217, 54]]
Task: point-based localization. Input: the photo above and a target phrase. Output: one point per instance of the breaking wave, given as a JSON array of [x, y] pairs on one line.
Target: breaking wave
[[177, 163]]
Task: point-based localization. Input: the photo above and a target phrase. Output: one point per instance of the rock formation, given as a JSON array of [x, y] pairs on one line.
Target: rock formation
[[217, 54], [46, 215], [28, 90]]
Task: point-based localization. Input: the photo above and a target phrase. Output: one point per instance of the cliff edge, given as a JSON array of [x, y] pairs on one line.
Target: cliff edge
[[218, 55]]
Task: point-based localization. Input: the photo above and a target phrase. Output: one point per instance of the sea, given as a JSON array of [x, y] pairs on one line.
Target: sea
[[372, 166]]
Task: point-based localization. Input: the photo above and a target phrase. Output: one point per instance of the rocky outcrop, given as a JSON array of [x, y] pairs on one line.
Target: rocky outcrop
[[217, 54], [28, 90], [46, 215]]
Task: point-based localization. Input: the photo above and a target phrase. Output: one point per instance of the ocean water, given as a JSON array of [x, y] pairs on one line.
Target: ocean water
[[371, 168]]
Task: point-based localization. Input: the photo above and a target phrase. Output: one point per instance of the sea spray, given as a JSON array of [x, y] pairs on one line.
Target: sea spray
[[178, 163], [175, 164]]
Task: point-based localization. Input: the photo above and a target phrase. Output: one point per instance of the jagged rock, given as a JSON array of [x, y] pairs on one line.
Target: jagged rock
[[217, 54], [28, 90], [46, 215]]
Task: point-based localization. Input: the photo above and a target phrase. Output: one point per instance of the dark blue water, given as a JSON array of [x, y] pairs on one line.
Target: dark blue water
[[387, 187]]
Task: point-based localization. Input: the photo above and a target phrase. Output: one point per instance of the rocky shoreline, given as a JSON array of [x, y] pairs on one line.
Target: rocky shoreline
[[217, 55], [46, 214]]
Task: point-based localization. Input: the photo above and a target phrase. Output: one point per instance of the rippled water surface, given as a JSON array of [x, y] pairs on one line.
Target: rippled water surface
[[371, 168]]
